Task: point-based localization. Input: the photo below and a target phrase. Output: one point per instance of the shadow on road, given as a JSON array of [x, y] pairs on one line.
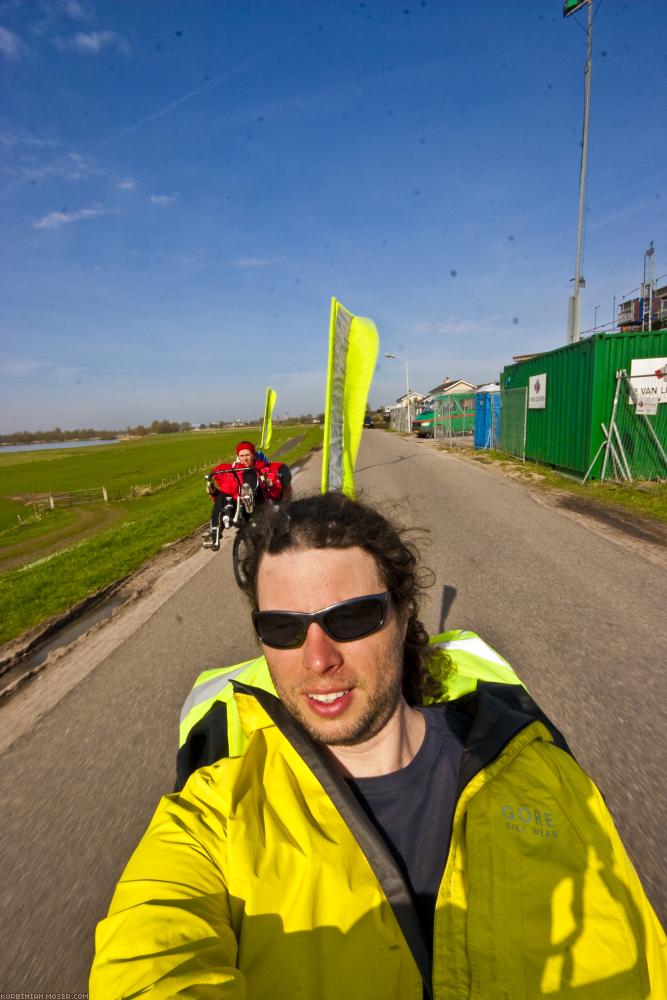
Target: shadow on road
[[448, 598]]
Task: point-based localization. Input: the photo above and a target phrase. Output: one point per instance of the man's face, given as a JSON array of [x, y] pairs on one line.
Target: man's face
[[246, 457], [365, 675]]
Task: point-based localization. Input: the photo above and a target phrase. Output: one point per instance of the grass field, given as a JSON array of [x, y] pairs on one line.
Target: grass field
[[74, 566], [118, 467]]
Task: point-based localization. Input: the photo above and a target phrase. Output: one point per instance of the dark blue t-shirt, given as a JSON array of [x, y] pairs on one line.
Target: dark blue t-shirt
[[413, 808]]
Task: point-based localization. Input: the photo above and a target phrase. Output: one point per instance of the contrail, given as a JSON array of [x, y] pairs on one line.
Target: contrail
[[631, 187], [234, 71]]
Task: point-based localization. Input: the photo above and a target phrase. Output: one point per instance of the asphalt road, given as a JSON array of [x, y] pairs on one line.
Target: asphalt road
[[90, 747]]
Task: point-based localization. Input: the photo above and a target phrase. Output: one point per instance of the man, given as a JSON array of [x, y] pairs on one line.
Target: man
[[250, 475], [349, 842]]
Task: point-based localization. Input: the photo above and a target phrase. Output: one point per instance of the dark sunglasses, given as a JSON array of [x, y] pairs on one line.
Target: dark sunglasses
[[342, 622]]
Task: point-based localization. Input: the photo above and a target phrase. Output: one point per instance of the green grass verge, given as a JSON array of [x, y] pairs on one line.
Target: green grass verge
[[643, 499], [34, 533], [49, 586]]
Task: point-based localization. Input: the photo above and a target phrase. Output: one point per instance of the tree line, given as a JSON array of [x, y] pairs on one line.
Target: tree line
[[140, 430], [38, 437]]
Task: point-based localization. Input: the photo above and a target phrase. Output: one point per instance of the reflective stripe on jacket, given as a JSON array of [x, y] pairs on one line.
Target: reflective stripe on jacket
[[265, 880], [210, 727]]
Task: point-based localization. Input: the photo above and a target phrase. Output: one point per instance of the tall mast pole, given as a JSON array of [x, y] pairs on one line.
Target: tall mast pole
[[573, 322]]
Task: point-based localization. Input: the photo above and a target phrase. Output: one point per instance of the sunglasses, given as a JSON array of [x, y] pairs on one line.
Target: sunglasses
[[342, 622]]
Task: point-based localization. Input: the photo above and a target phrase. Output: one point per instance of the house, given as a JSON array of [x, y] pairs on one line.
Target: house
[[451, 386], [416, 399], [633, 313]]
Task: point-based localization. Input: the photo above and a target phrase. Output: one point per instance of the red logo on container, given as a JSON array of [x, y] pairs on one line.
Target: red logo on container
[[536, 385]]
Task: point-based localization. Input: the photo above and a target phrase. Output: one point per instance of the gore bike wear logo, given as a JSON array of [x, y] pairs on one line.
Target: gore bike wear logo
[[529, 820]]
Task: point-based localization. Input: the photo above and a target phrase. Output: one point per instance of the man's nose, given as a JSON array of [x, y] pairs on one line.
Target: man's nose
[[320, 653]]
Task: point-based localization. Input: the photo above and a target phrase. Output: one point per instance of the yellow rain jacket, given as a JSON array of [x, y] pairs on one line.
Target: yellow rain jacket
[[263, 879]]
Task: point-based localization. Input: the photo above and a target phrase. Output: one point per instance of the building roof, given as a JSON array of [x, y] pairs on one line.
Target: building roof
[[413, 395], [451, 385], [518, 358]]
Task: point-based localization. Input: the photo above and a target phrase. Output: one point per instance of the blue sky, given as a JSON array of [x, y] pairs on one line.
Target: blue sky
[[184, 185]]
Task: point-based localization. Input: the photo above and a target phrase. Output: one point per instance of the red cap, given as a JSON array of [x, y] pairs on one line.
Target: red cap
[[245, 446]]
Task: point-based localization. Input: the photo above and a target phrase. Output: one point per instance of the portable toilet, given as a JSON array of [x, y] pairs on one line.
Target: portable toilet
[[487, 418]]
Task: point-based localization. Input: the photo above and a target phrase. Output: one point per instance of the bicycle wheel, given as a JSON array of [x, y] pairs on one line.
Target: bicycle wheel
[[239, 551]]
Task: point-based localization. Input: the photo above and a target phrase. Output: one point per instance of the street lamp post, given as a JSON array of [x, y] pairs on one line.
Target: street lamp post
[[407, 385]]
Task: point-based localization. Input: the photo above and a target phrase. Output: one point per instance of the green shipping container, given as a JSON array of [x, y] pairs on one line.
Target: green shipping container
[[579, 394]]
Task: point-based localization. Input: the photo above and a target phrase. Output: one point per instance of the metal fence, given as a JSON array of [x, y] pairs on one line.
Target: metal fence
[[454, 418], [398, 419], [513, 409], [635, 443]]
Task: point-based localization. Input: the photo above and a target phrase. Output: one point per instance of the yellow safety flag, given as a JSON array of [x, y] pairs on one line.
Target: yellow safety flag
[[353, 351], [267, 425]]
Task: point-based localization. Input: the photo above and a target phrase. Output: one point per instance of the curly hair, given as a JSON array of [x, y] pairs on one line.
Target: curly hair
[[333, 520]]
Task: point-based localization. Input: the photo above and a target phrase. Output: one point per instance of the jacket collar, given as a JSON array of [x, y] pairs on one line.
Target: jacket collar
[[497, 712]]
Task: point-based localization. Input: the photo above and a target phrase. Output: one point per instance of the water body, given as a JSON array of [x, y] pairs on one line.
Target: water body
[[44, 446]]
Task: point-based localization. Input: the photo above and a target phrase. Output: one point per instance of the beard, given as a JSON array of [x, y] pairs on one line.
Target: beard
[[379, 707]]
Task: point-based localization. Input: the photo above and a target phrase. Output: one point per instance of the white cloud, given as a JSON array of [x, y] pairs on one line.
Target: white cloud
[[67, 166], [77, 11], [27, 367], [78, 167], [249, 262], [54, 220], [165, 199], [454, 327], [127, 184], [11, 139], [10, 44], [93, 42]]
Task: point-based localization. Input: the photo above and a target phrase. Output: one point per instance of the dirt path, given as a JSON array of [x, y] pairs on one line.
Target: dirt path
[[90, 519]]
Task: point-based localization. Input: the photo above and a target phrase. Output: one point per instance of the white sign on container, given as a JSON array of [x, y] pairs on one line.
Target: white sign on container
[[648, 405], [648, 381], [537, 392]]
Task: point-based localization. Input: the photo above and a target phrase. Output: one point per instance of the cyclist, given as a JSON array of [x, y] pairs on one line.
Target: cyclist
[[266, 481]]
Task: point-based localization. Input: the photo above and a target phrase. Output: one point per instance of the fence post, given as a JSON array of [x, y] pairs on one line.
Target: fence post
[[611, 424], [51, 503], [104, 494], [525, 423]]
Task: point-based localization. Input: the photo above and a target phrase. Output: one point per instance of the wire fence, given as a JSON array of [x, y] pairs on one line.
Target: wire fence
[[513, 409], [398, 420], [635, 439], [454, 418]]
